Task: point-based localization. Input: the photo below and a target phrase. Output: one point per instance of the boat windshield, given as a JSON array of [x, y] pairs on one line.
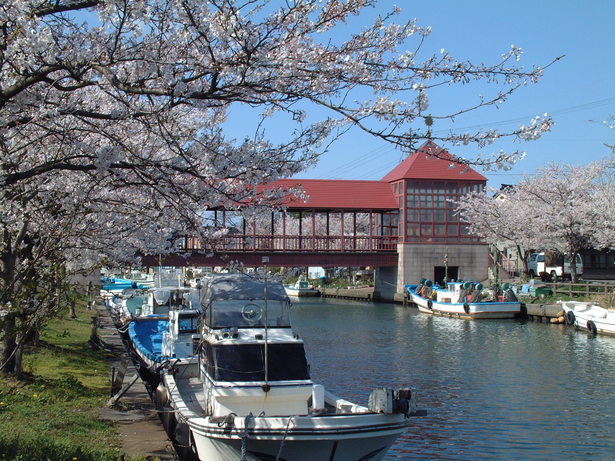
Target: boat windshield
[[246, 362], [174, 298], [243, 313], [188, 323]]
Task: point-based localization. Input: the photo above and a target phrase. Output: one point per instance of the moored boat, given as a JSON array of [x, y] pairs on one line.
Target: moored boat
[[115, 285], [253, 398], [158, 339], [124, 306], [302, 288], [589, 316], [161, 301], [465, 300]]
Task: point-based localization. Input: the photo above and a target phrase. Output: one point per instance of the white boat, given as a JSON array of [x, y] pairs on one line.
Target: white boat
[[464, 299], [301, 288], [589, 316], [252, 397], [141, 278], [125, 305], [161, 301]]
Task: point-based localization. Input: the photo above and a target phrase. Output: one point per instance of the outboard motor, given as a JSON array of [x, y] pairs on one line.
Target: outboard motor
[[388, 401]]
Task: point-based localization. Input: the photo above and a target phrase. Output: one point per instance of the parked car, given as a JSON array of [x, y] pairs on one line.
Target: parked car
[[552, 264]]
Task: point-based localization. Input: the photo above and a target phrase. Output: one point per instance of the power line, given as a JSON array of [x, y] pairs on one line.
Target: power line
[[565, 110]]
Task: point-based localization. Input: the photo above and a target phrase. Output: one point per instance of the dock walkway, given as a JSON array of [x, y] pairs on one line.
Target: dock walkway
[[137, 421]]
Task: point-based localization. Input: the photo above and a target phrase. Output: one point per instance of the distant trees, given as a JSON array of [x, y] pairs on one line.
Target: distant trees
[[115, 117], [564, 208]]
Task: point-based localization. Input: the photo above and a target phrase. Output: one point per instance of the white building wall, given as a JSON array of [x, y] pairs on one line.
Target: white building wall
[[418, 261]]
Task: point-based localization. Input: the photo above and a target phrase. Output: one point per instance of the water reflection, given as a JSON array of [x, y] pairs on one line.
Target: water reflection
[[494, 389]]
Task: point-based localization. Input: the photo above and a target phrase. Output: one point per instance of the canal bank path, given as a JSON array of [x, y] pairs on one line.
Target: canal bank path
[[134, 415]]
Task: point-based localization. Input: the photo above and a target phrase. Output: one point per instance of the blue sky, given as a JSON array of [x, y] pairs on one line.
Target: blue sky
[[578, 91]]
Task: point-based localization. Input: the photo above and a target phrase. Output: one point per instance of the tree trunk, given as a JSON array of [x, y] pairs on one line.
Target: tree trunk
[[523, 255], [573, 268], [18, 362], [8, 343]]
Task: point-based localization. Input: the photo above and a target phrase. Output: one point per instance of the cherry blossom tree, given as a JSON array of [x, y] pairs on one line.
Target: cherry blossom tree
[[506, 218], [569, 209], [115, 115], [565, 208]]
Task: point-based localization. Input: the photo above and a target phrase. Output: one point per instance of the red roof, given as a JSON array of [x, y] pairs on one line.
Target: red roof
[[332, 194], [431, 161], [428, 162]]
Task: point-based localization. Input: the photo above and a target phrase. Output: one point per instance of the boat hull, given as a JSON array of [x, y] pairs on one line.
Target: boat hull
[[300, 293], [348, 436], [602, 320], [276, 446], [486, 310]]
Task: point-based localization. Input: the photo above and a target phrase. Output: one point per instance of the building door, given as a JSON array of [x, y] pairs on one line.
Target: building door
[[440, 271]]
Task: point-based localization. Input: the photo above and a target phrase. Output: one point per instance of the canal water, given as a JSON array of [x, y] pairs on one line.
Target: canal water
[[492, 389]]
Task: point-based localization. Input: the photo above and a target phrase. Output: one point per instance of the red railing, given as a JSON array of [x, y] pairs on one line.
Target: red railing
[[293, 243]]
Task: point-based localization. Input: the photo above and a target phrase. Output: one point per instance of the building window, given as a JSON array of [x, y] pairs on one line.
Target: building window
[[430, 211]]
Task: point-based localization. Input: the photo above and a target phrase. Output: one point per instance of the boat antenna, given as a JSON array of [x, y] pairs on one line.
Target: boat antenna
[[266, 386]]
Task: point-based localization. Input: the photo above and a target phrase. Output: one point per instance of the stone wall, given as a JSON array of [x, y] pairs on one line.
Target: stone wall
[[418, 261]]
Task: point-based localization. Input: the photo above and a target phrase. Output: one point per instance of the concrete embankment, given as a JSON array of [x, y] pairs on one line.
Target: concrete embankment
[[552, 313], [549, 313]]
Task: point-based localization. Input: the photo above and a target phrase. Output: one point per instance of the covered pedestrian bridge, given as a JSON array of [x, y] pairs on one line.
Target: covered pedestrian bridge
[[354, 225]]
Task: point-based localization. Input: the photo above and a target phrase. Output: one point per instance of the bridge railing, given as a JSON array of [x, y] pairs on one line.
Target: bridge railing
[[294, 243]]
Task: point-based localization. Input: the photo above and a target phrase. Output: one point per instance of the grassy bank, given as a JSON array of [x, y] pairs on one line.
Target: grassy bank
[[52, 412]]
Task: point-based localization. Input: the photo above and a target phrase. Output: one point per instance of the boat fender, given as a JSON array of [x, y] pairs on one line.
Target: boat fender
[[591, 327], [429, 304], [161, 397], [570, 319], [466, 307]]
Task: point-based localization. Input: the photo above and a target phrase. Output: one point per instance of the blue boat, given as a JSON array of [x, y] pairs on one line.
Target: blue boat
[[158, 340], [117, 285]]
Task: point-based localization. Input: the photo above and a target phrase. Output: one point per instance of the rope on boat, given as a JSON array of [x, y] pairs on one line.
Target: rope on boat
[[277, 458]]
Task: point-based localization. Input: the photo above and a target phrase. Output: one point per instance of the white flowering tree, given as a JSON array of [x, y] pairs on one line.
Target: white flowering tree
[[508, 220], [565, 208], [570, 211], [115, 117], [604, 201]]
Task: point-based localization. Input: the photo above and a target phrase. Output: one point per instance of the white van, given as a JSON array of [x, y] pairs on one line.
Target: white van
[[554, 264]]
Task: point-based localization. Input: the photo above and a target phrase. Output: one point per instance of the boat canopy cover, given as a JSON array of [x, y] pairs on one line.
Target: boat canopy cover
[[238, 300], [146, 336], [241, 286]]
